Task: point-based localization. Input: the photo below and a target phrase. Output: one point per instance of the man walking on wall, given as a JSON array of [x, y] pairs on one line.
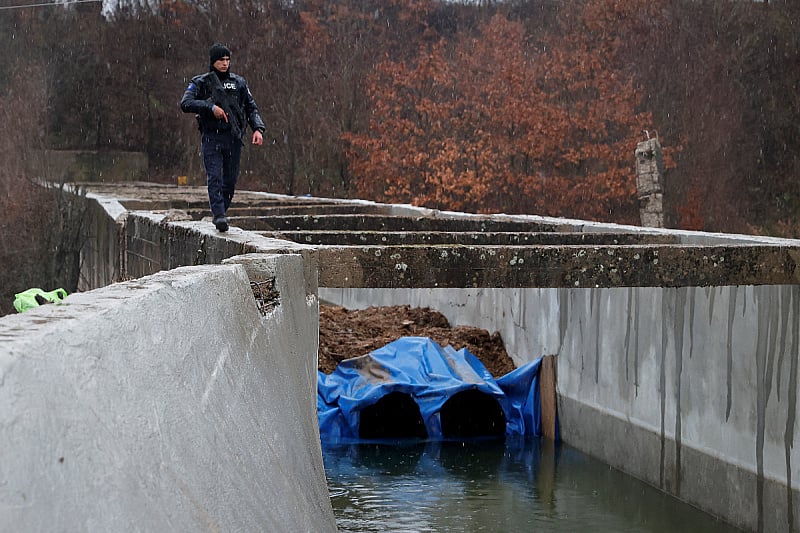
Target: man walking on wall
[[222, 103]]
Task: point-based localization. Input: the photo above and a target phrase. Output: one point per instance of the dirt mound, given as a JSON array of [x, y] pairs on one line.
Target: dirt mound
[[345, 333]]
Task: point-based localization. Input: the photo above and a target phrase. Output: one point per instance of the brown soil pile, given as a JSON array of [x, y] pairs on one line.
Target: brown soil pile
[[345, 333]]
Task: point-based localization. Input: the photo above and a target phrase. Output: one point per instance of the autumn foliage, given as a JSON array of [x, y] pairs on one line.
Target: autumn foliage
[[527, 106], [501, 122]]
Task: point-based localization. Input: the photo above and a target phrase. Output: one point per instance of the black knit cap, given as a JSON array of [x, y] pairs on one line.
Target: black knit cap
[[218, 51]]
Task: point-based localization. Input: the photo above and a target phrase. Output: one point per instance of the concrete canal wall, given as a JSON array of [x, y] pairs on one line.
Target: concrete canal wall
[[691, 387], [173, 402]]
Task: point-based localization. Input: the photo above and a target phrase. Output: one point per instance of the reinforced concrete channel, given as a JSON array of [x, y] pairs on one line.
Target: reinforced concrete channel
[[676, 352]]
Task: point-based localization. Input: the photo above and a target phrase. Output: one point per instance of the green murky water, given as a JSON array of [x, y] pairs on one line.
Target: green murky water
[[494, 485]]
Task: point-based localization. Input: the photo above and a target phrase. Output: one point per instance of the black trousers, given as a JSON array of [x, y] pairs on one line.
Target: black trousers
[[221, 155]]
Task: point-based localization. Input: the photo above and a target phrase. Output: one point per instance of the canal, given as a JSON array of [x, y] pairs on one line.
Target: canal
[[498, 485]]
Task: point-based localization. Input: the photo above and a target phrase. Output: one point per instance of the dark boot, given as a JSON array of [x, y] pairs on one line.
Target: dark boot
[[221, 223]]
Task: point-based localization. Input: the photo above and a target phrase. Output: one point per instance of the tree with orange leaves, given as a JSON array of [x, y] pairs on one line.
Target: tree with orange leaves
[[498, 123]]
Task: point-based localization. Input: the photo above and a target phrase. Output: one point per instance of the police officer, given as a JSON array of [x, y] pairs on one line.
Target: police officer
[[224, 107]]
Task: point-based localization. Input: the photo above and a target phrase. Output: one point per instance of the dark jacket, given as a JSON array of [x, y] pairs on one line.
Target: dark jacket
[[231, 94]]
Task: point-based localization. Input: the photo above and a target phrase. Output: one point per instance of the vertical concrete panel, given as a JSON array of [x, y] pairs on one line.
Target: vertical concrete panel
[[167, 403], [101, 255]]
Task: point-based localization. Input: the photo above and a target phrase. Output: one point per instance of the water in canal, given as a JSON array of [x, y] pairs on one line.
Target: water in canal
[[510, 485]]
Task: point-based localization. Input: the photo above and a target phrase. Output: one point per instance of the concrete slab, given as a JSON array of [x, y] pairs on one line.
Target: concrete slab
[[167, 403]]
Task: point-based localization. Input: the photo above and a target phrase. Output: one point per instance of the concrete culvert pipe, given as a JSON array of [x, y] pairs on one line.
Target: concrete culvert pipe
[[472, 413], [395, 415]]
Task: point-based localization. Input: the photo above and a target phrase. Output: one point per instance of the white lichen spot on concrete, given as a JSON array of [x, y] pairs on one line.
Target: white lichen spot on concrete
[[378, 252], [401, 266], [394, 257]]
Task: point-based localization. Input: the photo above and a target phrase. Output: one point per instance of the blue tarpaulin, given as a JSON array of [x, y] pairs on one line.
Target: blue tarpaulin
[[429, 374]]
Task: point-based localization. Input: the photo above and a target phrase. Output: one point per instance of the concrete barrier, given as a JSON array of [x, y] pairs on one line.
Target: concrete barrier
[[168, 403]]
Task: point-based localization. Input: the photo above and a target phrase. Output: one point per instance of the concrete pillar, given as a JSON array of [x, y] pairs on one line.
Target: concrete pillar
[[650, 183]]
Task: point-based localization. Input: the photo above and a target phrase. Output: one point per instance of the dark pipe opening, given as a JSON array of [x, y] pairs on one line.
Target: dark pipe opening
[[472, 413], [394, 416]]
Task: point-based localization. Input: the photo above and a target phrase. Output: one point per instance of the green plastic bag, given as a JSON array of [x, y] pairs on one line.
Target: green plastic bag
[[28, 299]]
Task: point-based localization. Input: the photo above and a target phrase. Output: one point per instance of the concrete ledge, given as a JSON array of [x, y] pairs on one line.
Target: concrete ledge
[[452, 266], [163, 404], [471, 238], [372, 222], [154, 243]]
